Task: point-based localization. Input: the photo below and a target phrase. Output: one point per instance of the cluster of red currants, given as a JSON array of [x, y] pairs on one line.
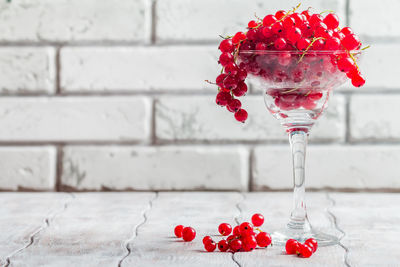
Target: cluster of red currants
[[241, 238], [187, 233], [290, 31], [304, 250]]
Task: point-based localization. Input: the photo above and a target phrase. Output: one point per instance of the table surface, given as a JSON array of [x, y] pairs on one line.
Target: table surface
[[136, 229]]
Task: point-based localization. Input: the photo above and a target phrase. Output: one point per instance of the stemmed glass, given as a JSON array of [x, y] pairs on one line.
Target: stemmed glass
[[296, 87]]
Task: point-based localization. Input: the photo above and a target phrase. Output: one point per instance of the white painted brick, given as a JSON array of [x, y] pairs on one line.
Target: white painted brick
[[27, 69], [30, 168], [375, 117], [155, 168], [355, 167], [379, 64], [74, 119], [72, 20], [375, 19], [192, 20], [139, 68], [199, 118]]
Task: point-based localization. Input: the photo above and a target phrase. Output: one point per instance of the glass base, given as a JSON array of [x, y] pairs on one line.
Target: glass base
[[280, 237]]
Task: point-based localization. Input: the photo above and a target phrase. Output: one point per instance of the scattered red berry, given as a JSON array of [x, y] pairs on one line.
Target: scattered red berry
[[223, 245], [178, 230], [235, 245], [263, 239], [313, 243], [210, 246], [188, 234], [305, 251], [246, 229], [207, 239], [257, 219], [225, 229], [292, 246]]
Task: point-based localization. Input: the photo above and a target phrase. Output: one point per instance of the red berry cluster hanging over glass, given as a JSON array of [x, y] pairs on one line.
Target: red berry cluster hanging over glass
[[283, 31]]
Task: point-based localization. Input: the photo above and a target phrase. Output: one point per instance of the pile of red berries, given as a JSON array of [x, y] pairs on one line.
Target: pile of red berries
[[304, 33], [304, 250], [187, 233], [241, 238]]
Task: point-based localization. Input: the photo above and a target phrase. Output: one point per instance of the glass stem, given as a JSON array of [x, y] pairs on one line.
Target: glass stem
[[298, 143]]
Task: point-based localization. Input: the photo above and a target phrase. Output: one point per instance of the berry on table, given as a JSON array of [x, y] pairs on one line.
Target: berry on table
[[257, 219], [207, 239], [312, 242], [225, 229], [305, 251], [210, 246], [178, 230], [223, 245], [235, 245], [246, 229], [263, 239], [188, 234], [292, 246]]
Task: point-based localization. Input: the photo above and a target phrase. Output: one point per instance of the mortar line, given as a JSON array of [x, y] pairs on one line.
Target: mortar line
[[336, 225], [46, 224], [136, 229], [237, 220]]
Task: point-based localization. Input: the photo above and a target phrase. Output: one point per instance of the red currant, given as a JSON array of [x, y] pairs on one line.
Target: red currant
[[246, 228], [313, 242], [263, 239], [188, 234], [351, 41], [269, 20], [249, 242], [358, 80], [207, 239], [178, 230], [223, 98], [315, 18], [233, 106], [292, 246], [280, 14], [257, 219], [240, 90], [210, 246], [236, 231], [346, 31], [225, 58], [332, 43], [332, 21], [280, 43], [305, 251], [293, 34], [226, 46], [277, 27], [252, 24], [235, 245], [223, 245], [231, 68], [238, 37], [225, 228], [241, 115], [345, 64], [303, 43]]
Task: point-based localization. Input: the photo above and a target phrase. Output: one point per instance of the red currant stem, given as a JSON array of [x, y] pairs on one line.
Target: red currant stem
[[289, 13], [257, 17], [330, 11], [258, 229], [308, 47], [290, 90], [225, 37], [354, 60], [309, 92], [366, 47], [207, 81]]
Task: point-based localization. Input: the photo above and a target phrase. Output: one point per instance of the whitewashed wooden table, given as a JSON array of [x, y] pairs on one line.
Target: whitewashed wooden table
[[136, 229]]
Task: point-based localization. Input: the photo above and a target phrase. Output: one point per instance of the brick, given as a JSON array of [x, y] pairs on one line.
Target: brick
[[199, 118], [155, 168], [74, 119], [27, 70], [191, 20], [138, 69], [342, 167], [74, 20], [375, 117], [374, 20], [29, 168]]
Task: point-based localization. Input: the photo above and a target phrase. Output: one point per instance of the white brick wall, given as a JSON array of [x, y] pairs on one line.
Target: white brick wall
[[27, 70], [27, 168], [374, 19], [375, 117], [344, 167], [63, 119], [137, 69], [155, 168], [124, 80], [73, 20], [199, 118]]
